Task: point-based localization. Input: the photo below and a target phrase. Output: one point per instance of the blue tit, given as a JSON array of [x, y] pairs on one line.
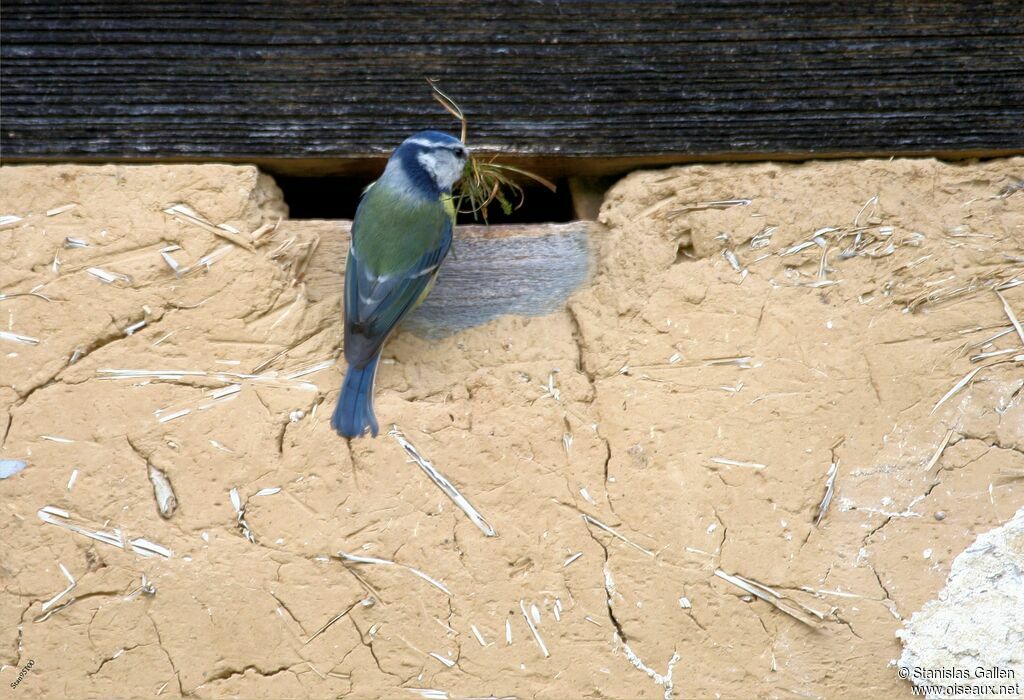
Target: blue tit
[[401, 234]]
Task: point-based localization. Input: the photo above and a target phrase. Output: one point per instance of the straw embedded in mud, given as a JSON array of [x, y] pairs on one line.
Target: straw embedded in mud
[[442, 482]]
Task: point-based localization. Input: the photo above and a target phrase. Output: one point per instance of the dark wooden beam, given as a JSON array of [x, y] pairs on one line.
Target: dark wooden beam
[[635, 81]]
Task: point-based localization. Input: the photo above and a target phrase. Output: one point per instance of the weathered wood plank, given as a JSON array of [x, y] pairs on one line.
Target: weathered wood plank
[[491, 271], [640, 79]]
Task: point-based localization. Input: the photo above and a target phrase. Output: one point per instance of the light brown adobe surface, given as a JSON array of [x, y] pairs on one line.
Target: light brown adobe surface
[[615, 408]]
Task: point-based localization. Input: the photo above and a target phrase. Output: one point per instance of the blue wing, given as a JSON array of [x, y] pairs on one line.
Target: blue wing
[[376, 301]]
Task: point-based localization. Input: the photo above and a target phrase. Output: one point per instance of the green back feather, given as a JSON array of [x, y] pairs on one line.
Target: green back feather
[[392, 232]]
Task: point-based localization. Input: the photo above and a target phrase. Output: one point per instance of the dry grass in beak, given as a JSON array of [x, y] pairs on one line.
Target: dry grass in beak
[[485, 182]]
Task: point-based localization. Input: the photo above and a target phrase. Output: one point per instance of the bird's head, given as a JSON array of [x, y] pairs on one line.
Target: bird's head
[[430, 161]]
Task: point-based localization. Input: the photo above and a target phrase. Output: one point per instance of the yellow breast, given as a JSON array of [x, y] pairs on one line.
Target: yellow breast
[[449, 206]]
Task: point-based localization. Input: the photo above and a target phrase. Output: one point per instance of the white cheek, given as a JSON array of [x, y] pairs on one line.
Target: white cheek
[[444, 167], [452, 170], [429, 163]]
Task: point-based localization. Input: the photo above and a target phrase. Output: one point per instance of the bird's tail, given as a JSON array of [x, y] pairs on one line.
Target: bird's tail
[[354, 412]]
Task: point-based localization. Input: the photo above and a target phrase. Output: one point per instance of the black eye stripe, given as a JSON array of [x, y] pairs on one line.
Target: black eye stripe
[[456, 150]]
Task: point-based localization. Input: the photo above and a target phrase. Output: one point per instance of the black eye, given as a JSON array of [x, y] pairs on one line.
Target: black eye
[[460, 152]]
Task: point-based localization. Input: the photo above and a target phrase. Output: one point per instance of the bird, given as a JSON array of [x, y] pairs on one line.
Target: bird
[[401, 233]]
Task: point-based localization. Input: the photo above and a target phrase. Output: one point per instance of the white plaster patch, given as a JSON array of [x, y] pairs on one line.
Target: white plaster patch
[[977, 622]]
